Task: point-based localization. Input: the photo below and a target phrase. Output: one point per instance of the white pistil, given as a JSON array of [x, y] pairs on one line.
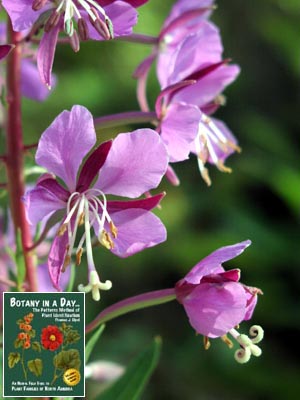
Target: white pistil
[[248, 345], [95, 285]]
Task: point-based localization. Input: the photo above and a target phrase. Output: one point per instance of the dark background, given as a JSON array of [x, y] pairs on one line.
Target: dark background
[[260, 201]]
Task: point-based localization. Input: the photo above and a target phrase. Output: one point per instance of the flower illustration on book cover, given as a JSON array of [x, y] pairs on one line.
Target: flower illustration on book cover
[[24, 342], [53, 338]]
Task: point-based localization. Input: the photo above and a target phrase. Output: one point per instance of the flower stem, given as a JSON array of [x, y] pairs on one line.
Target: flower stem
[[139, 38], [131, 117], [14, 152], [130, 304]]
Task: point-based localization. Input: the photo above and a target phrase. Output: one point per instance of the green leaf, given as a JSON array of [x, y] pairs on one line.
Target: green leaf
[[131, 385], [36, 346], [20, 262], [67, 359], [35, 366], [93, 340], [13, 359]]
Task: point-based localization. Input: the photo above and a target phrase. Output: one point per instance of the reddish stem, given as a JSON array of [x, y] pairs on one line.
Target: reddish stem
[[14, 153]]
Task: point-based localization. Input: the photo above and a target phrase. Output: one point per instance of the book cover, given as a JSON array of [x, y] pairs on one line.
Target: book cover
[[43, 344]]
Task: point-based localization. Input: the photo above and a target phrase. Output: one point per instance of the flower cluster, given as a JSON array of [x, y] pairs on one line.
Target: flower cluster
[[192, 75], [99, 195], [24, 337]]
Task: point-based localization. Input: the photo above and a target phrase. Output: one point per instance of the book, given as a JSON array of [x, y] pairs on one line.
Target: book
[[43, 344]]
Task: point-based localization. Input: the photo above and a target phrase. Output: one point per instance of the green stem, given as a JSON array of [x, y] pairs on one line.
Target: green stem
[[134, 303], [131, 117]]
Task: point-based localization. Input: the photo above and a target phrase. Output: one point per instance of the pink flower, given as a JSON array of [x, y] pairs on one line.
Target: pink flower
[[216, 302]]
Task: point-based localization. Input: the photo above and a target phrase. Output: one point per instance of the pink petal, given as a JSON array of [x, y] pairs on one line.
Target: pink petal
[[215, 309], [135, 164], [45, 55], [65, 143]]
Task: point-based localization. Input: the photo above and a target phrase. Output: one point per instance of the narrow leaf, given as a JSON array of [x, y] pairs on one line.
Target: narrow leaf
[[91, 343], [131, 385]]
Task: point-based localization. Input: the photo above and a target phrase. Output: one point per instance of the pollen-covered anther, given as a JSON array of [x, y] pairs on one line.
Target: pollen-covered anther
[[206, 342], [113, 229], [95, 285], [62, 229], [78, 256], [106, 240], [67, 262], [227, 341], [223, 168], [81, 219]]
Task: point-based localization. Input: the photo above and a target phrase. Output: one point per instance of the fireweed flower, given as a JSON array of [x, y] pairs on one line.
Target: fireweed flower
[[78, 19], [119, 167], [51, 338], [216, 302]]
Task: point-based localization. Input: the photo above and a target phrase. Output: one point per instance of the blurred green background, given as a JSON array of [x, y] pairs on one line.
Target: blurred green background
[[260, 200]]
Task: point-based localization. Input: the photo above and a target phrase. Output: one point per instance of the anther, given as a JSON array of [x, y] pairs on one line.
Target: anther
[[83, 29], [113, 229], [78, 256], [206, 342], [106, 240], [66, 263], [99, 25], [74, 41], [62, 229], [227, 341], [52, 21], [38, 4]]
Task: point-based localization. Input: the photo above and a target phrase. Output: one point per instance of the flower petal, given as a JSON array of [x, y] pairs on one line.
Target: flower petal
[[40, 203], [45, 55], [146, 204], [135, 164], [179, 129], [32, 87], [44, 282], [65, 143], [5, 49], [209, 87], [215, 309], [92, 166], [137, 230], [21, 13], [56, 258], [212, 264]]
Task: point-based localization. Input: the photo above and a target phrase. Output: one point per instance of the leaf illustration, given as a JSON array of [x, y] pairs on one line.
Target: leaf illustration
[[36, 346], [13, 359], [67, 359], [35, 366]]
